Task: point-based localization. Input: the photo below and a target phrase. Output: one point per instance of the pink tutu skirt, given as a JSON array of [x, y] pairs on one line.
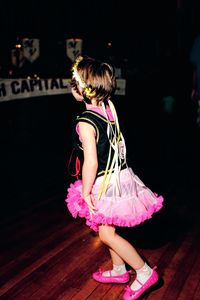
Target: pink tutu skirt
[[135, 204]]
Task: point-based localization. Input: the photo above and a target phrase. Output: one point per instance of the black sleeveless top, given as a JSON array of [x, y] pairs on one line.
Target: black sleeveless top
[[99, 123]]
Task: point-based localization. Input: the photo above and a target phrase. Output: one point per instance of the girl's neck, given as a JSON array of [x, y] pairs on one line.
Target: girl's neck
[[93, 105]]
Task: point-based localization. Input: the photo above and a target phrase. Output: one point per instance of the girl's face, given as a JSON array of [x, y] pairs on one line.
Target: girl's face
[[77, 95]]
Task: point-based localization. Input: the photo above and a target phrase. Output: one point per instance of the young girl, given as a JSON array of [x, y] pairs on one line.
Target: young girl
[[108, 194]]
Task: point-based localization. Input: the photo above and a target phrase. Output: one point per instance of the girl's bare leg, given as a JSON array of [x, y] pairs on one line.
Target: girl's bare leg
[[121, 250], [116, 259]]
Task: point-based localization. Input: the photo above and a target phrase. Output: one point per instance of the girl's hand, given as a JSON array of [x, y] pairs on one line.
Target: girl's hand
[[89, 199]]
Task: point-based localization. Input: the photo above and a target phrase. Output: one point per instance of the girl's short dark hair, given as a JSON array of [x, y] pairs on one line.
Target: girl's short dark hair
[[98, 76]]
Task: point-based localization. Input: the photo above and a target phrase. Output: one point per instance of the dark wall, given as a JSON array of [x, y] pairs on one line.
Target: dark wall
[[151, 42], [35, 141]]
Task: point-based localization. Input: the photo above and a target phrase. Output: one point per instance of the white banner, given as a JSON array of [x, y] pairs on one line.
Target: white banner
[[11, 89], [25, 88]]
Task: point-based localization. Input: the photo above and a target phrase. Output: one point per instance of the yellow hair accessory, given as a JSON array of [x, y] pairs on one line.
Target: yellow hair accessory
[[75, 73], [88, 92], [77, 61]]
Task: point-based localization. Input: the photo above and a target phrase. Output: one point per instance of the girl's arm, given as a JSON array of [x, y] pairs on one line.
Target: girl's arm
[[90, 162]]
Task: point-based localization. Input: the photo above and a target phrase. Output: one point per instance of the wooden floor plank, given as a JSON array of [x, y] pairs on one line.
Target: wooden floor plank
[[178, 282], [69, 270], [56, 255], [192, 281], [170, 265], [38, 257], [89, 285], [197, 293]]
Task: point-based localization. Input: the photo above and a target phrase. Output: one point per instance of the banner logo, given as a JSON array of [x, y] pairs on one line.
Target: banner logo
[[31, 49]]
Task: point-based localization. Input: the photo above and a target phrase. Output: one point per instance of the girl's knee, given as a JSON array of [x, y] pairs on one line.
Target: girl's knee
[[106, 234]]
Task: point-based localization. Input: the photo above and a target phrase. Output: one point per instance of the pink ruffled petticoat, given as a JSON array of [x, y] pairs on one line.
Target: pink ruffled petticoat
[[135, 204]]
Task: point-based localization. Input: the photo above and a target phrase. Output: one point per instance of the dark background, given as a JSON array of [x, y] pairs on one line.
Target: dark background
[[151, 42]]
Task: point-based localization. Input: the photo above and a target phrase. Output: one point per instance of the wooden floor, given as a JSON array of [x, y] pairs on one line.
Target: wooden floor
[[46, 254]]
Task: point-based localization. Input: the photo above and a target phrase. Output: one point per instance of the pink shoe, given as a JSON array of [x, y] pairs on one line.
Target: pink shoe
[[98, 276], [131, 295]]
